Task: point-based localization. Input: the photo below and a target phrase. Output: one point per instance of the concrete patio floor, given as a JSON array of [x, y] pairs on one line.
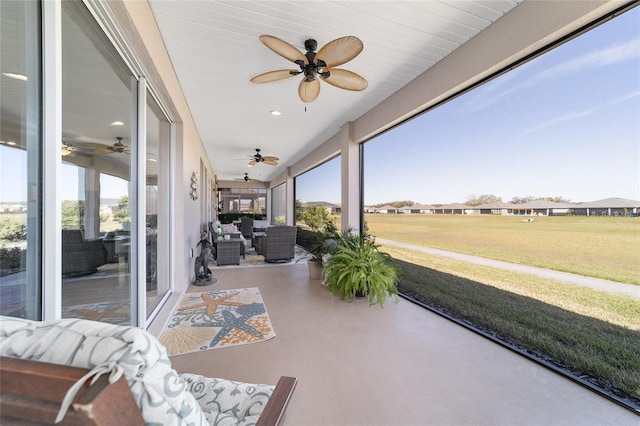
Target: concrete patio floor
[[400, 365]]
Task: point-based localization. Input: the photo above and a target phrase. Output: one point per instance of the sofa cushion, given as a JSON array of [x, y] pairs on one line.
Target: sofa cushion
[[156, 387], [260, 225], [226, 402]]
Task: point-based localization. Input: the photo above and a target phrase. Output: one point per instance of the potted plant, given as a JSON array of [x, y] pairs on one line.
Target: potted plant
[[323, 247], [359, 269]]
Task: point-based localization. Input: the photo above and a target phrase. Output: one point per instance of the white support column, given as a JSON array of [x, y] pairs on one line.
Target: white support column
[[290, 200], [91, 203], [350, 171]]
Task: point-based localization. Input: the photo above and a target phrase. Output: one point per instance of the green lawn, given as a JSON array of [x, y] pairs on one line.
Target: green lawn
[[590, 333], [602, 247]]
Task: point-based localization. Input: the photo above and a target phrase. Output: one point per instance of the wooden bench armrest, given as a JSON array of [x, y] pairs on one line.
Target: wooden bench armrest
[[274, 411], [33, 391]]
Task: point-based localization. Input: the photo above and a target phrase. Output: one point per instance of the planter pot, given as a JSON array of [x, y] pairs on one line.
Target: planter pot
[[315, 271]]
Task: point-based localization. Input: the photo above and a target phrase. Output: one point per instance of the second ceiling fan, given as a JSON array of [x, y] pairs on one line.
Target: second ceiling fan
[[312, 65], [259, 158]]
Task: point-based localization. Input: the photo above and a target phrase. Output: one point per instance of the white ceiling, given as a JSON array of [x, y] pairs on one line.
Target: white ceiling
[[215, 51]]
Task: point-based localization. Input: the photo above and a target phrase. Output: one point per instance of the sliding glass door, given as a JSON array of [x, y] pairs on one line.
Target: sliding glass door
[[99, 129], [20, 160]]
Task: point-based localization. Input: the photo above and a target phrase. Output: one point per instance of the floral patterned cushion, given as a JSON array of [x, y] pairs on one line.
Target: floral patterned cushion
[[164, 396], [226, 402], [156, 387], [229, 228]]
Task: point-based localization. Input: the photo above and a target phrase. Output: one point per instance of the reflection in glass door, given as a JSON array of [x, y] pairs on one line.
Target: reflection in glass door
[[157, 205], [20, 154], [98, 193]]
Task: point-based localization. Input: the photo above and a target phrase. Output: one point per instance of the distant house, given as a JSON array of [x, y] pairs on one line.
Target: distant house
[[542, 208], [607, 207], [417, 209], [387, 209], [330, 207], [454, 208], [491, 208]]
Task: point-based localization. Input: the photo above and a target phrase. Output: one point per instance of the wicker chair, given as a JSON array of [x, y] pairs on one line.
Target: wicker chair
[[246, 227], [80, 256], [279, 243]]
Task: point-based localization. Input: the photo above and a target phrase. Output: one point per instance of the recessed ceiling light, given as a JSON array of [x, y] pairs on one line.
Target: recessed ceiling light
[[153, 160], [117, 123], [11, 143], [15, 76], [275, 112]]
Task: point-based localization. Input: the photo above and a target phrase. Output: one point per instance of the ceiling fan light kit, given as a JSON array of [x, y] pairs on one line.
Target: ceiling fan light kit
[[313, 65]]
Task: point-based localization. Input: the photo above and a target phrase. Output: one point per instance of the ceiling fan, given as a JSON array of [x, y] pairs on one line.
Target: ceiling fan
[[99, 148], [312, 65], [246, 178], [259, 158]]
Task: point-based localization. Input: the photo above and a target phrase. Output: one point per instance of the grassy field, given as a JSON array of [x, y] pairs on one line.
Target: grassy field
[[602, 247]]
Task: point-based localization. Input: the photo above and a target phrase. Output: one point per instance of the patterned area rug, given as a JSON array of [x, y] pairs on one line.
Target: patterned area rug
[[217, 319], [117, 312]]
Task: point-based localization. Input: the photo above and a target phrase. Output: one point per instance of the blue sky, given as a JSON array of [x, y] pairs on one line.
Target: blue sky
[[566, 124]]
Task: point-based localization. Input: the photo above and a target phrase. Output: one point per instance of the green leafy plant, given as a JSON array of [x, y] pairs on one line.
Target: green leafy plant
[[324, 246], [358, 268]]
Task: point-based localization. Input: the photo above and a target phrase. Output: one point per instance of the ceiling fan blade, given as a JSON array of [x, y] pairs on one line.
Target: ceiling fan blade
[[270, 162], [340, 51], [283, 48], [309, 90], [345, 79], [253, 162], [270, 158], [274, 76]]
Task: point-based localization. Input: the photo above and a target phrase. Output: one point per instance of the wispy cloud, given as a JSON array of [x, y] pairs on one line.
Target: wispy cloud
[[572, 115], [597, 59]]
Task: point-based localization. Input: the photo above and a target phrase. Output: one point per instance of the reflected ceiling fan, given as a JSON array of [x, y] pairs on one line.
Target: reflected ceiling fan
[[99, 148], [312, 65], [68, 149], [259, 158]]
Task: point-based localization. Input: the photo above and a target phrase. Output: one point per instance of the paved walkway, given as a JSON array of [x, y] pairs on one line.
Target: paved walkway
[[565, 277]]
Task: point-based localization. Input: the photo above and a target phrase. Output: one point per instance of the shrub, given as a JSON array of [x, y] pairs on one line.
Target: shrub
[[12, 259], [13, 231]]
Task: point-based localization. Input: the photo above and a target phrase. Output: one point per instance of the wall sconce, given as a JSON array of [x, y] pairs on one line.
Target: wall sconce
[[194, 186]]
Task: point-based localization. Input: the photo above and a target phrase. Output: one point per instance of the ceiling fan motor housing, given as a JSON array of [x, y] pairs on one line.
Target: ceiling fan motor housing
[[310, 45]]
